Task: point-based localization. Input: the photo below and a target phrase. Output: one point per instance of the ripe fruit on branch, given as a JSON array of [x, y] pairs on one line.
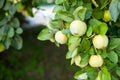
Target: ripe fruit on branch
[[78, 28], [100, 41], [96, 61], [60, 37], [107, 16]]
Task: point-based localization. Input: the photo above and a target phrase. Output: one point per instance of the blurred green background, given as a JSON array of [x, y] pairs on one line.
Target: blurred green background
[[37, 60]]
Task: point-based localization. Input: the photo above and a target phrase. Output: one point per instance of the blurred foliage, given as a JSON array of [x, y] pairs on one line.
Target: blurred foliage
[[41, 61], [10, 14]]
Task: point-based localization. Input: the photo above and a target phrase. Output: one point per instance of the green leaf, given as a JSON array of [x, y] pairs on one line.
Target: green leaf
[[114, 78], [71, 54], [44, 35], [114, 42], [117, 50], [92, 73], [78, 73], [7, 5], [57, 8], [10, 32], [118, 71], [114, 10], [82, 13], [85, 59], [73, 42], [105, 75], [17, 42], [98, 13], [103, 28], [1, 3], [65, 16], [7, 43], [15, 23], [3, 21], [94, 23], [12, 9], [54, 24], [89, 31], [19, 30], [84, 45], [59, 1], [113, 56]]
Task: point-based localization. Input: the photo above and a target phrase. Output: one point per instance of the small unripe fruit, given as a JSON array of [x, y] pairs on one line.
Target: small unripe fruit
[[78, 28], [96, 61], [107, 16], [60, 37], [77, 60], [2, 48], [100, 41]]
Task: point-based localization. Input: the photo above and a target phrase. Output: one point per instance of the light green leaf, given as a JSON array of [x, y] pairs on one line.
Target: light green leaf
[[73, 42], [44, 35], [71, 54], [57, 8], [105, 75], [59, 1], [113, 56], [114, 10], [65, 16], [19, 30], [103, 28]]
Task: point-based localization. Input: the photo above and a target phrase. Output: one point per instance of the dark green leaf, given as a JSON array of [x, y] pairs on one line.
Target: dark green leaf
[[7, 43], [15, 23], [44, 35], [92, 73], [114, 42], [84, 45], [118, 71], [1, 3], [98, 13], [12, 9], [10, 32], [17, 42], [7, 5], [113, 56], [114, 10]]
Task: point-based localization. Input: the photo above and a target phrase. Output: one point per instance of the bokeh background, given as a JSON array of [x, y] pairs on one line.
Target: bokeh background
[[37, 60]]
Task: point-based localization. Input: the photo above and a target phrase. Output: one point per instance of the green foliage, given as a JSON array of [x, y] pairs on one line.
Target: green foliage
[[92, 12]]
